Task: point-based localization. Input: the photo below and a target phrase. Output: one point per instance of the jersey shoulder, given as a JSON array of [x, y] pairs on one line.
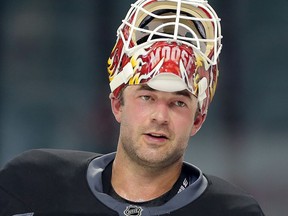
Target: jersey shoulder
[[229, 198], [44, 164], [36, 161], [42, 178]]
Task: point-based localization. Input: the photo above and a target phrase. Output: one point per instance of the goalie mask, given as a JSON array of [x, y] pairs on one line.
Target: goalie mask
[[170, 45]]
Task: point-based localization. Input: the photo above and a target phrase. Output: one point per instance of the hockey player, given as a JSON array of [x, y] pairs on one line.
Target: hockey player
[[163, 74]]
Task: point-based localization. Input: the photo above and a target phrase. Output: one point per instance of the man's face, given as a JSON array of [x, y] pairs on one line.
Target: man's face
[[155, 126]]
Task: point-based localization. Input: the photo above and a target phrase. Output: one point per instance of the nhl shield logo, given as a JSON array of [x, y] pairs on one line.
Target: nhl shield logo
[[133, 210]]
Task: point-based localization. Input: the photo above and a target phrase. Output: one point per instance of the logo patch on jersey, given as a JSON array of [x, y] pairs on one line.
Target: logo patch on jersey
[[133, 210], [184, 185]]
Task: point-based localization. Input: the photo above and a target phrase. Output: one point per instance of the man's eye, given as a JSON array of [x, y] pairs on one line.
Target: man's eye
[[145, 97], [180, 104]]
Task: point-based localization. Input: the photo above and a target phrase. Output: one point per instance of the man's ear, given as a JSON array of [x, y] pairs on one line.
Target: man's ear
[[198, 122], [116, 107]]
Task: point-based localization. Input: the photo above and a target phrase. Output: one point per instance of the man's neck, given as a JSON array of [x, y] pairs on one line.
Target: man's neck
[[139, 183]]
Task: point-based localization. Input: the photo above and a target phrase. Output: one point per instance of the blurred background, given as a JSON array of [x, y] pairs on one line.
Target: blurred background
[[54, 88]]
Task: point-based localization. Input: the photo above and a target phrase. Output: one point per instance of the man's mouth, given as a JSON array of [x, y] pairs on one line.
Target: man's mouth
[[157, 135]]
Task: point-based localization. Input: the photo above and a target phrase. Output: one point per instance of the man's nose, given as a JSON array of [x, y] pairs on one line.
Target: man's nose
[[160, 113]]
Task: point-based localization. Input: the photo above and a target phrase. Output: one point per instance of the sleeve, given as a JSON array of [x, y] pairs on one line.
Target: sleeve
[[231, 199], [31, 180], [17, 183], [10, 205]]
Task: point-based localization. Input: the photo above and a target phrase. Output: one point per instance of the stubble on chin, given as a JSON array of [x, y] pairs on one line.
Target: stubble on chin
[[151, 158]]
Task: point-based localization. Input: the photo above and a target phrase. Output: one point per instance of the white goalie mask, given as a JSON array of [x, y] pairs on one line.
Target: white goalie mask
[[171, 45]]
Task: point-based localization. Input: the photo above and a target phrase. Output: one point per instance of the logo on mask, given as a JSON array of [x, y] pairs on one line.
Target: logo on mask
[[133, 210]]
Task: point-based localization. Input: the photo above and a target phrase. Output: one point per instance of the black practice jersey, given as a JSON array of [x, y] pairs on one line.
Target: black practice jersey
[[64, 182]]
